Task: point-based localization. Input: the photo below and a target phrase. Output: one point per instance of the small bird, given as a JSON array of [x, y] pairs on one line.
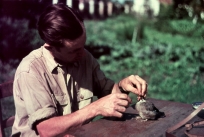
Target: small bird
[[147, 110]]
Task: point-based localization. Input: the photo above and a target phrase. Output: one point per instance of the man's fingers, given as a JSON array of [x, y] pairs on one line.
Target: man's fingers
[[137, 83], [123, 103], [144, 90], [117, 114], [124, 97], [120, 109], [143, 85], [133, 89]]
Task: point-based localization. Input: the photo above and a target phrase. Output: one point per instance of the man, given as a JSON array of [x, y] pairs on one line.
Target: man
[[54, 85]]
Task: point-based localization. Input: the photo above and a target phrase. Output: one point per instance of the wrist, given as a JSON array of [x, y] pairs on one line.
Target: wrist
[[93, 109]]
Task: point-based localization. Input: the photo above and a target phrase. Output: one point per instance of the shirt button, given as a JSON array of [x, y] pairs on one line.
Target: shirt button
[[81, 97]]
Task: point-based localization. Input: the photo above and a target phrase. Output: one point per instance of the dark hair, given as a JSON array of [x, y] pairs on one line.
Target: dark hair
[[59, 22]]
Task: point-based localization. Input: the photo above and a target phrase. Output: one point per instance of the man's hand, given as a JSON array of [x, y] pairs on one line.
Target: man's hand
[[134, 84], [112, 105]]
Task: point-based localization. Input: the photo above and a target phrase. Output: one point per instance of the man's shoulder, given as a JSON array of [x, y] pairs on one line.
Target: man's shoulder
[[89, 56], [33, 59], [89, 60]]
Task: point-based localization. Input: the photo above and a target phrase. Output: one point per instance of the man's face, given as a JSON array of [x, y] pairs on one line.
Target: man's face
[[71, 51]]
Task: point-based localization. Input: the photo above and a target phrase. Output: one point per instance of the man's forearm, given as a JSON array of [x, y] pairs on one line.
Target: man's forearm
[[110, 105], [59, 125]]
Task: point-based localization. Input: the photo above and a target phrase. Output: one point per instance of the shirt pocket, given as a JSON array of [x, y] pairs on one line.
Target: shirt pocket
[[85, 97]]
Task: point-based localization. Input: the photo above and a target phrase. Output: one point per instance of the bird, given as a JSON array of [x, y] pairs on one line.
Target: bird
[[147, 110]]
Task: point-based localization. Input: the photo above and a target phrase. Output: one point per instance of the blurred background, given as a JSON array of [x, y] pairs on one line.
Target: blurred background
[[160, 40]]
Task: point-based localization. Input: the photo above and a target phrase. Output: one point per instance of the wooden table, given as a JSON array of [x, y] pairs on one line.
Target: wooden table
[[127, 126]]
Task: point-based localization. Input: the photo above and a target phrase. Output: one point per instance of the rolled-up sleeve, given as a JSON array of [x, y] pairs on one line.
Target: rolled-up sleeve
[[33, 99]]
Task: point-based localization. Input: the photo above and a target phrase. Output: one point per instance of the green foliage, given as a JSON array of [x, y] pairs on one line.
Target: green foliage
[[176, 32], [117, 29], [170, 57], [166, 11]]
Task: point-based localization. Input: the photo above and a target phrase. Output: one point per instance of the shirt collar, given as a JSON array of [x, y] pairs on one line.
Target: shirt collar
[[51, 63]]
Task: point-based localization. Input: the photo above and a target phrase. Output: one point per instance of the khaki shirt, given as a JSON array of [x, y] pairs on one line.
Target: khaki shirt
[[44, 88]]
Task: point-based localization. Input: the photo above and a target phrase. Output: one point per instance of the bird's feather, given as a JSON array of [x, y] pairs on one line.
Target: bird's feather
[[147, 110]]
